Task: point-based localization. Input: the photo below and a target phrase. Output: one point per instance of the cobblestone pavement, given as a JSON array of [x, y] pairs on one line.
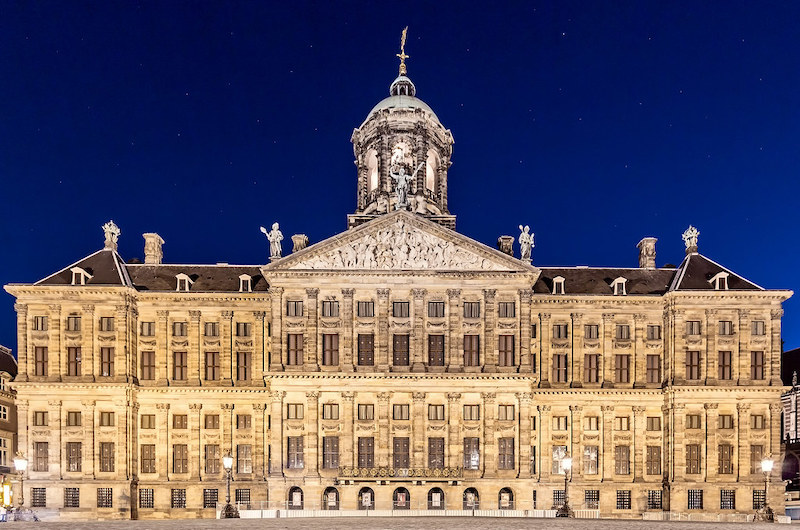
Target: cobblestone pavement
[[391, 523]]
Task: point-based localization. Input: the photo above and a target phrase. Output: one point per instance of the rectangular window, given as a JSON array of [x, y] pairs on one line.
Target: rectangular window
[[757, 365], [148, 365], [727, 500], [559, 367], [622, 460], [40, 418], [211, 421], [692, 327], [758, 328], [505, 350], [472, 453], [653, 368], [725, 327], [243, 329], [400, 453], [178, 498], [180, 329], [558, 497], [591, 331], [330, 411], [559, 453], [210, 498], [693, 365], [695, 500], [73, 418], [756, 456], [758, 422], [106, 419], [725, 421], [725, 452], [366, 452], [693, 421], [330, 349], [294, 411], [330, 308], [592, 499], [590, 454], [72, 498], [472, 412], [40, 450], [294, 308], [366, 349], [212, 368], [243, 366], [622, 368], [104, 497], [330, 452], [623, 332], [400, 412], [400, 350], [533, 331], [40, 360], [435, 309], [366, 412], [400, 309], [436, 453], [39, 497], [759, 499], [505, 453], [107, 324], [242, 496], [653, 332], [148, 421], [592, 423], [693, 462], [180, 458], [244, 421], [295, 350], [106, 362], [472, 309], [654, 499], [366, 309], [623, 499], [559, 423], [244, 458], [40, 323], [653, 460], [147, 329], [107, 457], [435, 350], [507, 310], [211, 329], [74, 456], [179, 365], [180, 421], [212, 459], [654, 423], [506, 413], [436, 412], [560, 331], [622, 423], [472, 350], [725, 365], [591, 368], [74, 361]]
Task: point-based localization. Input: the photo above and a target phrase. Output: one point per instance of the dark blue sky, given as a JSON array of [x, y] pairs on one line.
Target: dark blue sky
[[597, 123]]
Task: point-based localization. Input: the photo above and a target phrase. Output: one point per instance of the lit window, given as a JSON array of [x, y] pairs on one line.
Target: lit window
[[184, 283]]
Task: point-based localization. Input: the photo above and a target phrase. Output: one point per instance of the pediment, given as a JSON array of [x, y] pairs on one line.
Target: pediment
[[400, 241]]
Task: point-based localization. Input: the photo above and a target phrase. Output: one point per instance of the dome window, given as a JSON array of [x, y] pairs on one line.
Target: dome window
[[720, 281], [80, 276]]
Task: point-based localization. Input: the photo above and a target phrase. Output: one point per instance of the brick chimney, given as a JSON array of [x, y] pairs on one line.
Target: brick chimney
[[647, 253], [153, 254]]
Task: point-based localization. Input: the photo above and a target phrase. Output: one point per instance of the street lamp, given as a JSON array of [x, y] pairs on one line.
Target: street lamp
[[766, 514], [21, 464], [229, 511], [565, 510]]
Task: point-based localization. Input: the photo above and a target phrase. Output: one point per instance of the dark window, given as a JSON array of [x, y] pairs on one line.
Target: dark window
[[622, 368], [623, 332], [506, 309], [505, 349], [436, 412], [472, 412], [210, 498], [560, 331], [72, 498], [400, 412], [330, 308], [104, 497], [693, 421], [653, 463], [40, 323], [295, 351], [622, 460], [106, 419], [725, 459], [757, 422], [653, 423], [106, 323], [73, 419], [180, 458], [366, 349], [147, 498], [295, 453], [148, 421], [243, 329], [756, 456], [366, 309], [330, 349], [244, 421], [148, 362], [212, 366], [623, 499], [211, 421], [294, 308], [400, 350], [400, 309], [592, 499], [179, 329], [40, 418], [180, 421], [179, 366], [757, 365], [758, 328], [107, 456], [653, 332], [294, 411], [590, 458], [653, 369], [39, 497], [178, 498], [106, 362], [591, 331], [74, 456], [472, 309], [693, 459], [693, 327], [759, 499], [653, 499], [366, 412], [330, 452], [693, 365], [212, 459], [212, 329], [40, 360], [366, 452], [505, 453], [506, 413], [472, 350], [725, 327], [435, 453], [725, 421], [727, 500], [435, 309], [472, 453], [533, 331], [242, 496], [74, 361], [243, 366], [400, 453], [435, 350], [244, 458], [330, 411], [725, 365], [591, 368], [695, 500], [148, 329], [559, 367]]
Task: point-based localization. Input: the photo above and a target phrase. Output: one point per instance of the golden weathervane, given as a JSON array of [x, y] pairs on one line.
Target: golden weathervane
[[402, 53]]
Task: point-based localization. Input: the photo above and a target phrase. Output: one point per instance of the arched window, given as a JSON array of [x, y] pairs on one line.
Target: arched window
[[366, 499], [295, 501], [330, 499], [505, 500], [372, 170], [471, 499], [401, 500], [431, 166], [436, 499]]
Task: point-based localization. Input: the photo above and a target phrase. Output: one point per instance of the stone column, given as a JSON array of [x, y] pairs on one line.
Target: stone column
[[162, 445], [525, 332], [417, 336], [276, 306], [382, 447], [418, 430], [545, 332], [524, 464], [454, 335], [489, 334], [382, 339], [346, 345], [259, 360], [276, 433], [743, 440], [195, 447], [454, 421], [678, 442], [87, 342], [607, 357], [54, 354], [226, 345], [312, 430], [194, 351], [161, 349], [259, 445], [545, 442], [489, 460], [712, 328], [639, 368], [313, 337], [347, 441], [710, 470], [575, 364], [607, 444], [772, 357], [638, 438], [576, 440], [740, 354], [88, 423], [22, 343]]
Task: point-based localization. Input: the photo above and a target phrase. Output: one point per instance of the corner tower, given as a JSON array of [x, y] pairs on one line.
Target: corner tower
[[402, 152]]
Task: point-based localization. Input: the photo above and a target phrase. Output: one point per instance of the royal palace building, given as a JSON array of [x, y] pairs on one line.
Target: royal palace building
[[397, 365]]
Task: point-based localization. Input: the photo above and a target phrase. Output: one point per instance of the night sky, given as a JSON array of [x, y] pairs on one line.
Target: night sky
[[596, 123]]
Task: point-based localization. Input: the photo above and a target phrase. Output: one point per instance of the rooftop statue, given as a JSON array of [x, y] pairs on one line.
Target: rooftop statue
[[274, 236], [525, 243], [112, 233]]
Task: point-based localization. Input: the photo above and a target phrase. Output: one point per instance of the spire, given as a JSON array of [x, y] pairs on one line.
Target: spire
[[402, 55]]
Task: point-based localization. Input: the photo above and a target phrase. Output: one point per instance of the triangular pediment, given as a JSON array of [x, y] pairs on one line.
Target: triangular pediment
[[400, 241]]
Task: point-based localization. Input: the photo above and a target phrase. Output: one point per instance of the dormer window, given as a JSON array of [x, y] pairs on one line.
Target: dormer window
[[558, 285], [184, 282], [80, 276], [720, 281], [618, 286], [245, 283]]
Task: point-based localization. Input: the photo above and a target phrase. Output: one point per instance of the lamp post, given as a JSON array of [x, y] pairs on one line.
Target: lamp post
[[766, 514], [21, 464], [565, 510], [229, 511]]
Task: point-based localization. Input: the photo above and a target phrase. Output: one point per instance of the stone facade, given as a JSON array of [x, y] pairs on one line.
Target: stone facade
[[8, 411], [397, 364]]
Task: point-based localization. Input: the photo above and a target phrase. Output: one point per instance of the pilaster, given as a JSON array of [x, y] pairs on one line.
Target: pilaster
[[678, 442], [417, 335], [312, 430], [194, 351], [575, 363], [161, 349], [55, 454], [607, 446], [259, 445], [743, 440], [162, 446], [639, 368], [576, 439], [489, 460], [607, 357], [455, 341], [710, 361], [523, 464], [418, 429], [638, 441], [313, 337], [454, 450], [195, 461], [382, 338], [525, 332], [346, 344], [276, 433], [741, 356], [382, 447], [87, 342], [121, 344], [773, 360], [226, 344], [489, 333], [276, 307], [22, 343], [54, 340], [346, 442], [710, 469], [545, 442], [259, 361], [545, 332]]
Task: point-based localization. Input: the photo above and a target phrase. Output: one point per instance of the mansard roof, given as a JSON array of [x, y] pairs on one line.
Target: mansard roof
[[105, 266], [8, 363], [206, 278], [696, 271], [598, 281]]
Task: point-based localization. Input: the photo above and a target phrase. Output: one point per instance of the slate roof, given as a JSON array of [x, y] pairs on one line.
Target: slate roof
[[206, 278], [584, 280], [105, 266], [696, 270], [7, 362]]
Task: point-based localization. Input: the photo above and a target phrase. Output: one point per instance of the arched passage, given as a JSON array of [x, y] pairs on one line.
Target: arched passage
[[471, 499], [505, 499], [436, 499], [401, 500], [366, 499], [295, 500], [330, 499]]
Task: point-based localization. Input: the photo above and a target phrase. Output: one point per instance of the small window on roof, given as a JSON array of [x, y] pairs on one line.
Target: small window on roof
[[618, 286], [184, 282], [720, 281], [79, 276], [558, 285], [245, 283]]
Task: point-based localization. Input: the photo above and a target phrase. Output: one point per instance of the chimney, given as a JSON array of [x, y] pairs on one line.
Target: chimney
[[153, 254], [505, 244], [300, 242], [647, 253]]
